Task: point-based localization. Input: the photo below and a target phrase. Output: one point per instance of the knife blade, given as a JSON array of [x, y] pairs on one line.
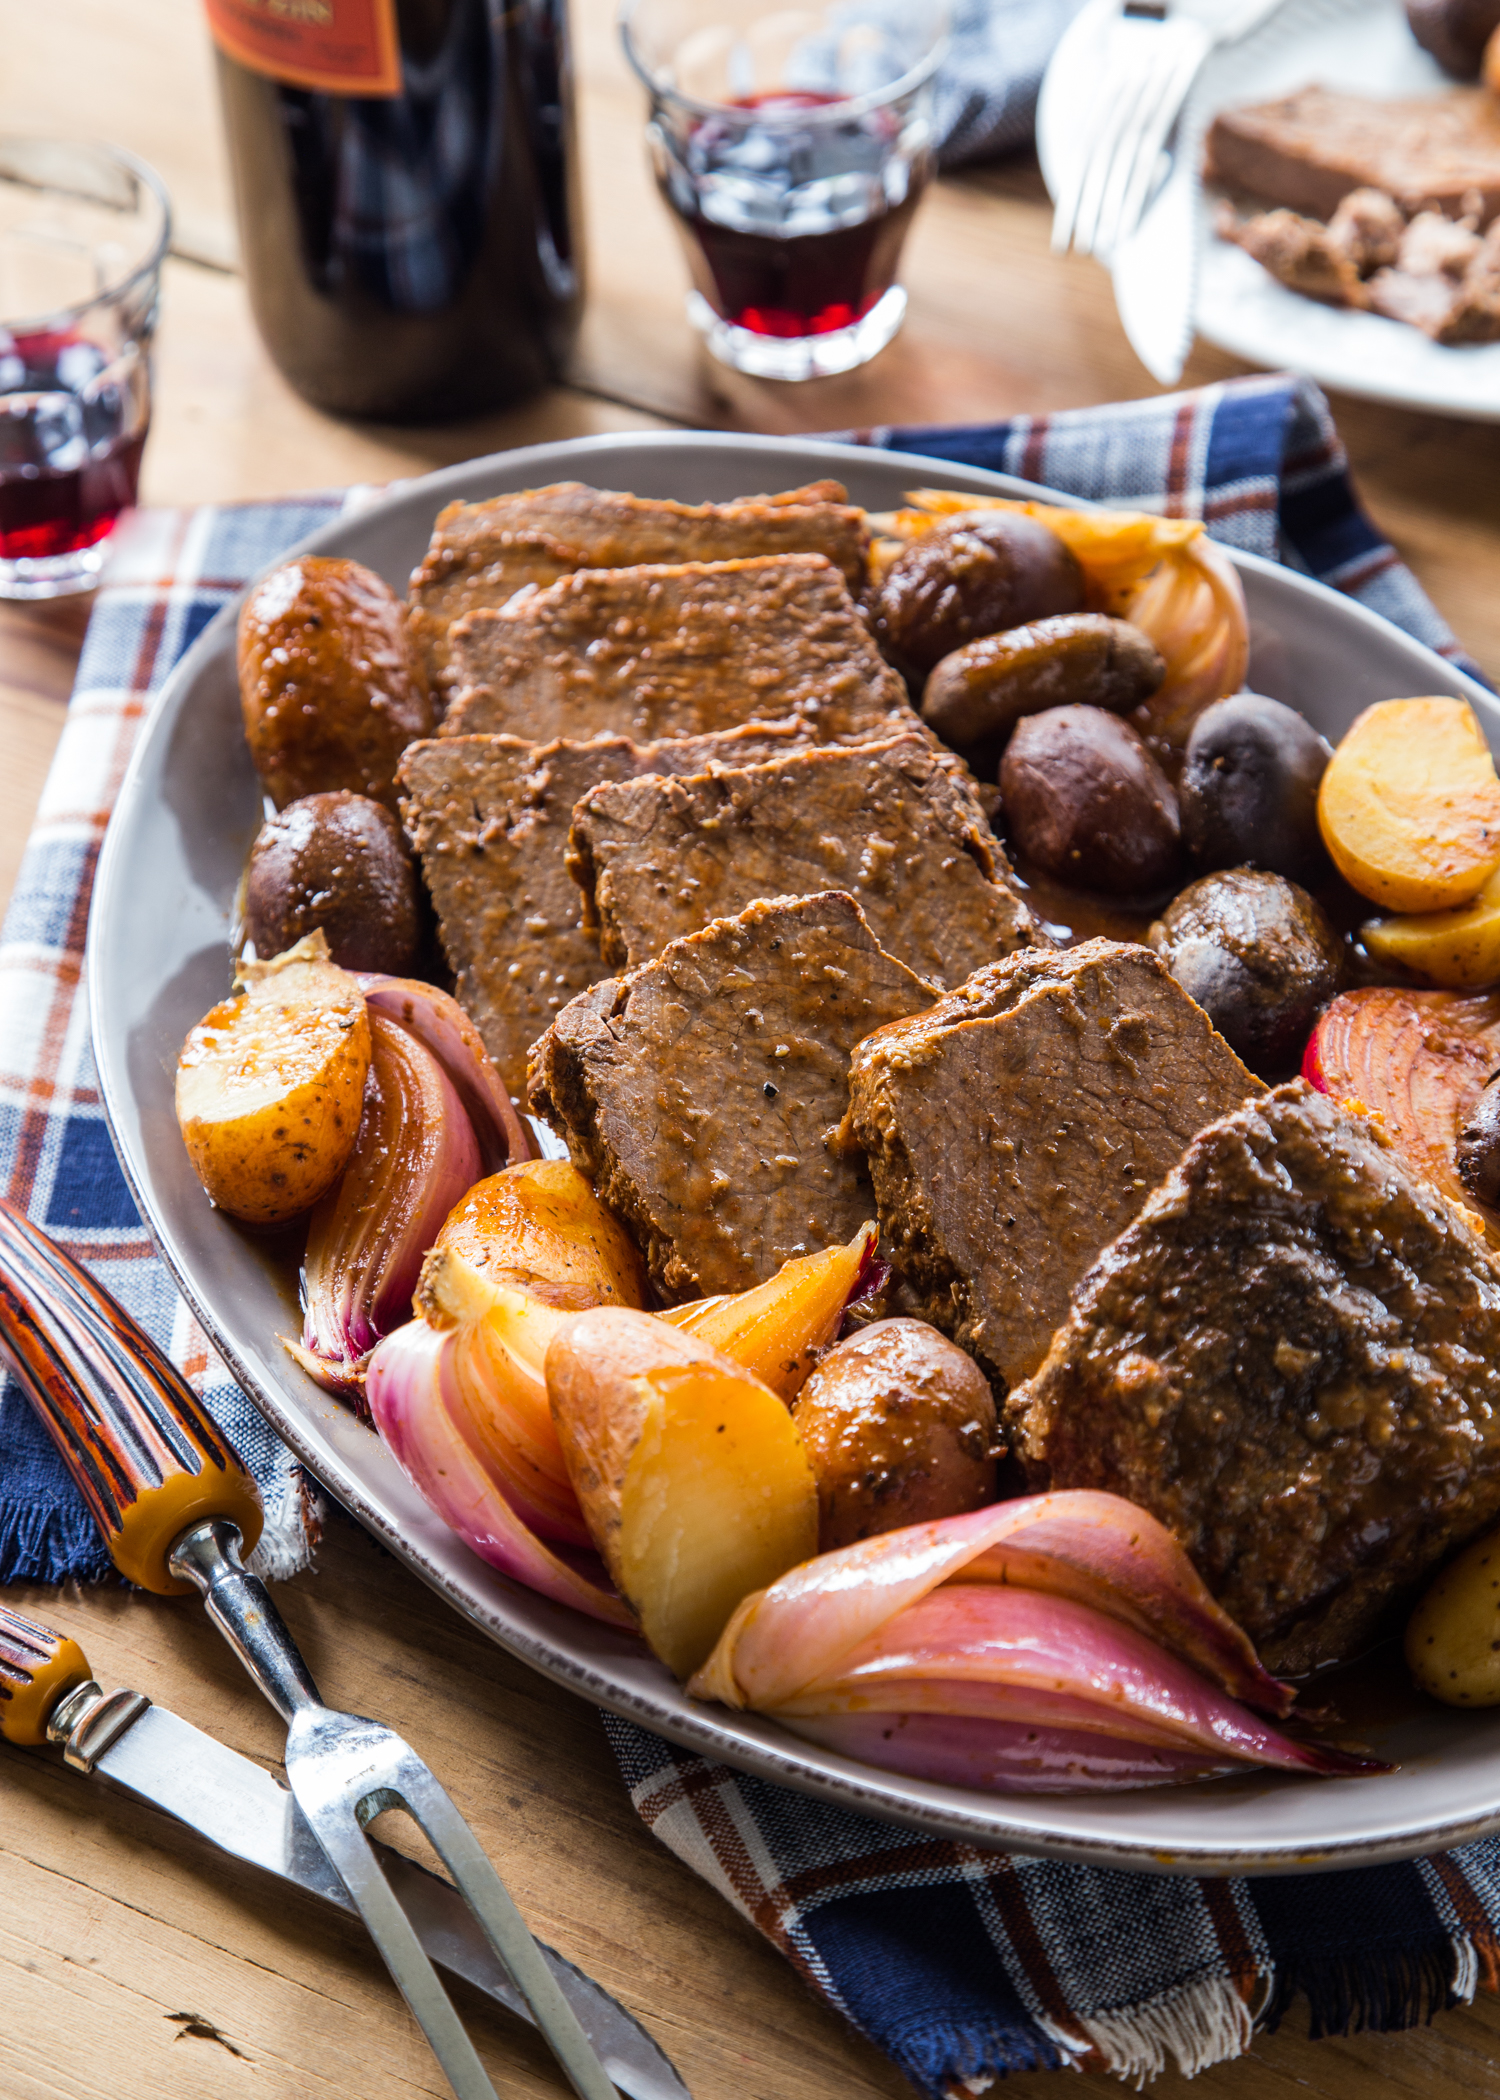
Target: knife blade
[[244, 1810], [1155, 270]]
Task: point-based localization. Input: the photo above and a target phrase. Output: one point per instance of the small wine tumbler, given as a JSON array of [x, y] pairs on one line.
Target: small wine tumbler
[[792, 147], [83, 230]]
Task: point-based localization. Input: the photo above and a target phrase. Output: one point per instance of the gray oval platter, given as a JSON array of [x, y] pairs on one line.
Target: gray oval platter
[[158, 958]]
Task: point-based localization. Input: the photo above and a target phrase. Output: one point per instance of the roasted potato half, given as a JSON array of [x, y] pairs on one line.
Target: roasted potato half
[[269, 1085], [898, 1424], [1453, 1636], [690, 1474]]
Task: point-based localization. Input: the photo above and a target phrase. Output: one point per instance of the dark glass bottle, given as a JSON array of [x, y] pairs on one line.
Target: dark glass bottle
[[415, 256]]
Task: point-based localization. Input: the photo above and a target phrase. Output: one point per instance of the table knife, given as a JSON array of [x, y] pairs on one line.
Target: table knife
[[47, 1694]]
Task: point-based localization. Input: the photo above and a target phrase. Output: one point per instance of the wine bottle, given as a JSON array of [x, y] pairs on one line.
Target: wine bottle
[[407, 194]]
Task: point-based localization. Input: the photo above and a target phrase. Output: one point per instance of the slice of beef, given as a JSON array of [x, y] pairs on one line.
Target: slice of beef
[[482, 553], [676, 651], [657, 858], [703, 1093], [1015, 1128], [1292, 1358], [489, 818], [1308, 150]]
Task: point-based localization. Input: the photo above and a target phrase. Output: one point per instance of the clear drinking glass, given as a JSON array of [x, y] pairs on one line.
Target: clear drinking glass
[[82, 233], [792, 146]]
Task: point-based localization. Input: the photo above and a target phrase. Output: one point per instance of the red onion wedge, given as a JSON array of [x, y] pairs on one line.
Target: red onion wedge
[[1034, 1623], [421, 1399], [414, 1157], [440, 1024]]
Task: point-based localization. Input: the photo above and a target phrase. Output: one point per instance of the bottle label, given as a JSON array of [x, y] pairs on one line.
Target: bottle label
[[344, 47]]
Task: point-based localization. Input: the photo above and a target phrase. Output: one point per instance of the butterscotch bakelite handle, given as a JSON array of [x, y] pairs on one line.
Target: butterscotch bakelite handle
[[148, 1459], [37, 1666]]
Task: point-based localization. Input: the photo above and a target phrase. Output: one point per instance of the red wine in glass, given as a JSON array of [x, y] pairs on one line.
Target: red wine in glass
[[70, 445], [833, 253]]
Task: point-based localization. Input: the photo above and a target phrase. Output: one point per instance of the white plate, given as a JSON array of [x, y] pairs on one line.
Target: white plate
[[1363, 46], [1366, 48], [157, 960]]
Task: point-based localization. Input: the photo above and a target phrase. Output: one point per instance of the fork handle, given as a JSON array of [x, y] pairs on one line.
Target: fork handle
[[208, 1557], [147, 1457]]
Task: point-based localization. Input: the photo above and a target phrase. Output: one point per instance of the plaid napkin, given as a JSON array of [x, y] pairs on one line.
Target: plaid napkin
[[962, 1965]]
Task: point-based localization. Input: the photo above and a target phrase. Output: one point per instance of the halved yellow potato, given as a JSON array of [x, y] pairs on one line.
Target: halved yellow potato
[[1409, 807], [269, 1085], [1453, 1636], [1458, 949], [690, 1473]]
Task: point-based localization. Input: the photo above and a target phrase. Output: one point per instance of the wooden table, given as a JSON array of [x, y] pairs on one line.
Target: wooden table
[[134, 1963]]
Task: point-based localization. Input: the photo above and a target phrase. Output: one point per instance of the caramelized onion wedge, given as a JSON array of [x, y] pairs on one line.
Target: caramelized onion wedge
[[1419, 1061], [932, 1622], [415, 1155], [441, 1026], [421, 1405], [777, 1331], [1004, 1757]]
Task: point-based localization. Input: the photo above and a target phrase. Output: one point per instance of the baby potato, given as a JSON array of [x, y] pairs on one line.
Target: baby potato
[[1259, 956], [1085, 801], [975, 697], [1410, 806], [976, 574], [1249, 789], [1453, 1636], [330, 689], [270, 1083], [899, 1425], [1458, 949], [338, 861]]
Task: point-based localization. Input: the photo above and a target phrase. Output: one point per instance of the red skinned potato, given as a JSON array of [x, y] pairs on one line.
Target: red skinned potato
[[1085, 801], [338, 861], [899, 1426], [690, 1474], [330, 690]]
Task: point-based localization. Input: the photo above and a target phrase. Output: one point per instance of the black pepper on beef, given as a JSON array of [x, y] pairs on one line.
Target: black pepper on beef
[[481, 554], [489, 817], [1018, 1125], [658, 857], [703, 1094], [1292, 1359], [676, 651]]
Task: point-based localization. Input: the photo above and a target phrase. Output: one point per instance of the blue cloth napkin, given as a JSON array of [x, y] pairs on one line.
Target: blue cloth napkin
[[960, 1965]]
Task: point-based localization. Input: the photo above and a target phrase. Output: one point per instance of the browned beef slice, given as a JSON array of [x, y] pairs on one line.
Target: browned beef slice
[[1292, 1358], [1310, 149], [481, 553], [658, 858], [679, 651], [1015, 1128], [702, 1094], [489, 818]]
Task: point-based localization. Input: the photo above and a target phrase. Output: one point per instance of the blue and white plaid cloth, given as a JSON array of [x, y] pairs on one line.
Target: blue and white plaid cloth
[[961, 1965]]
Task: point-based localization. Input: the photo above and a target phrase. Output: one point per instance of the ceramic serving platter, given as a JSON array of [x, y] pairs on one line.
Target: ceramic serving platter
[[158, 959]]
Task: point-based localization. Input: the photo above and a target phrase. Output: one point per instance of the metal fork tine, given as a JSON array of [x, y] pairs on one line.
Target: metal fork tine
[[402, 1952], [344, 1771], [1097, 175], [504, 1928], [1134, 180]]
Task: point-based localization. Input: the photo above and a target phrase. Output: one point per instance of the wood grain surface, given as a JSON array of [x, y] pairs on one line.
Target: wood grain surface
[[135, 1964]]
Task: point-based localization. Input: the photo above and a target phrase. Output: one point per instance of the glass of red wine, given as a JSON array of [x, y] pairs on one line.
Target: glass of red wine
[[82, 233], [792, 147]]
